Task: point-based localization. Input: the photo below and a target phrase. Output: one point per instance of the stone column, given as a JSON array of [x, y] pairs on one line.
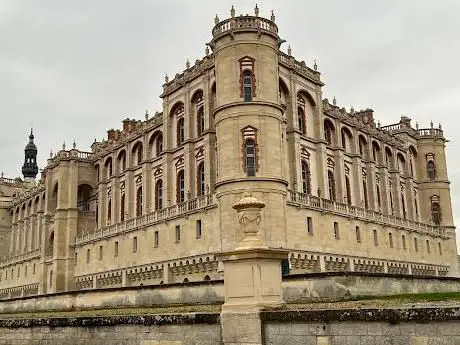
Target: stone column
[[252, 277]]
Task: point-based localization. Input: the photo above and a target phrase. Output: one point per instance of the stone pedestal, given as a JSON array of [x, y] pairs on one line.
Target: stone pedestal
[[252, 277]]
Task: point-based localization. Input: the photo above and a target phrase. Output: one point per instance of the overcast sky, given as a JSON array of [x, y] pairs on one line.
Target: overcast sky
[[73, 69]]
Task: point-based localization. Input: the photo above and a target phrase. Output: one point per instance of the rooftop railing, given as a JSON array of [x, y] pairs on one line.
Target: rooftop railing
[[244, 22], [322, 204], [145, 220], [21, 257], [298, 66]]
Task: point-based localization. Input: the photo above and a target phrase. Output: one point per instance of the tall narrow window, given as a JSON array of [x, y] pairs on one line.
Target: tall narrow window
[[391, 202], [344, 140], [435, 211], [200, 121], [122, 208], [428, 248], [404, 242], [366, 201], [88, 255], [440, 248], [379, 198], [331, 184], [247, 85], [306, 178], [199, 228], [180, 187], [328, 132], [159, 195], [109, 212], [403, 204], [415, 244], [348, 189], [180, 131], [390, 239], [336, 231], [101, 252], [139, 202], [376, 238], [358, 234], [159, 144], [431, 170], [301, 120], [156, 238], [250, 157], [309, 225], [135, 244], [177, 233], [200, 181], [115, 249]]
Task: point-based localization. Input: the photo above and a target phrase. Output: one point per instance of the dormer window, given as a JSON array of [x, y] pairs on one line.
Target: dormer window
[[247, 79]]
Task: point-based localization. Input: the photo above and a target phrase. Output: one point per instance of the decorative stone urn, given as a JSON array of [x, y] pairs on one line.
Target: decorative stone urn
[[249, 217]]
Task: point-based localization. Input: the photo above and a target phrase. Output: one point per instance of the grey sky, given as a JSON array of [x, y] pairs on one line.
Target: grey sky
[[73, 69]]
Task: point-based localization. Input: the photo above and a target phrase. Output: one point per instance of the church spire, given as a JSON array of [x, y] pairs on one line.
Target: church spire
[[30, 167]]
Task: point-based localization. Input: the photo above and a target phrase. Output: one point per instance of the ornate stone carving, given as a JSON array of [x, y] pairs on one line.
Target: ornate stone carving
[[249, 218]]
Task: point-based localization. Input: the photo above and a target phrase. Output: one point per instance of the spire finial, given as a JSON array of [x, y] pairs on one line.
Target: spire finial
[[431, 124], [272, 17], [416, 125], [440, 127], [216, 20], [63, 145], [232, 11], [289, 50], [146, 114], [334, 101], [315, 65], [256, 10], [74, 144], [206, 50], [51, 153], [378, 124], [352, 110], [187, 64], [166, 78]]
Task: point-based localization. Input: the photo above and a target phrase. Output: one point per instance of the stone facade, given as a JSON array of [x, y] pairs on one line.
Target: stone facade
[[152, 203]]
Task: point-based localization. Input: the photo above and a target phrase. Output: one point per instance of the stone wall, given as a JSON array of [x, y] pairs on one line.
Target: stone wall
[[342, 285], [417, 326], [147, 296], [186, 329]]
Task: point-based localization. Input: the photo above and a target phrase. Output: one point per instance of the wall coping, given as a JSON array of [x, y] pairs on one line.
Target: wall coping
[[307, 276], [391, 315], [144, 320], [121, 289]]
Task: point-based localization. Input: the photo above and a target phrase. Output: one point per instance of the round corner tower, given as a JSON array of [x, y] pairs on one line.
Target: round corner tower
[[249, 124]]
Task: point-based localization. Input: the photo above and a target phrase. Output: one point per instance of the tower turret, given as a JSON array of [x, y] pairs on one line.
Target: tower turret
[[249, 122], [30, 167]]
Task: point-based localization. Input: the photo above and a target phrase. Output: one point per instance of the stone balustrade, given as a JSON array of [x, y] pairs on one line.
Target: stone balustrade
[[300, 67], [346, 210], [152, 218], [244, 22], [5, 180], [34, 254], [430, 132]]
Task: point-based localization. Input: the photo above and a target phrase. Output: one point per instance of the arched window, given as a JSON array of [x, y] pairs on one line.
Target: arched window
[[431, 170], [121, 161], [139, 202], [109, 212], [50, 250], [306, 178], [159, 195], [159, 144], [122, 208], [180, 187], [180, 131], [108, 167], [200, 121], [247, 85], [348, 189], [200, 181], [331, 184], [250, 152], [329, 132], [435, 210], [301, 120], [391, 202], [137, 154]]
